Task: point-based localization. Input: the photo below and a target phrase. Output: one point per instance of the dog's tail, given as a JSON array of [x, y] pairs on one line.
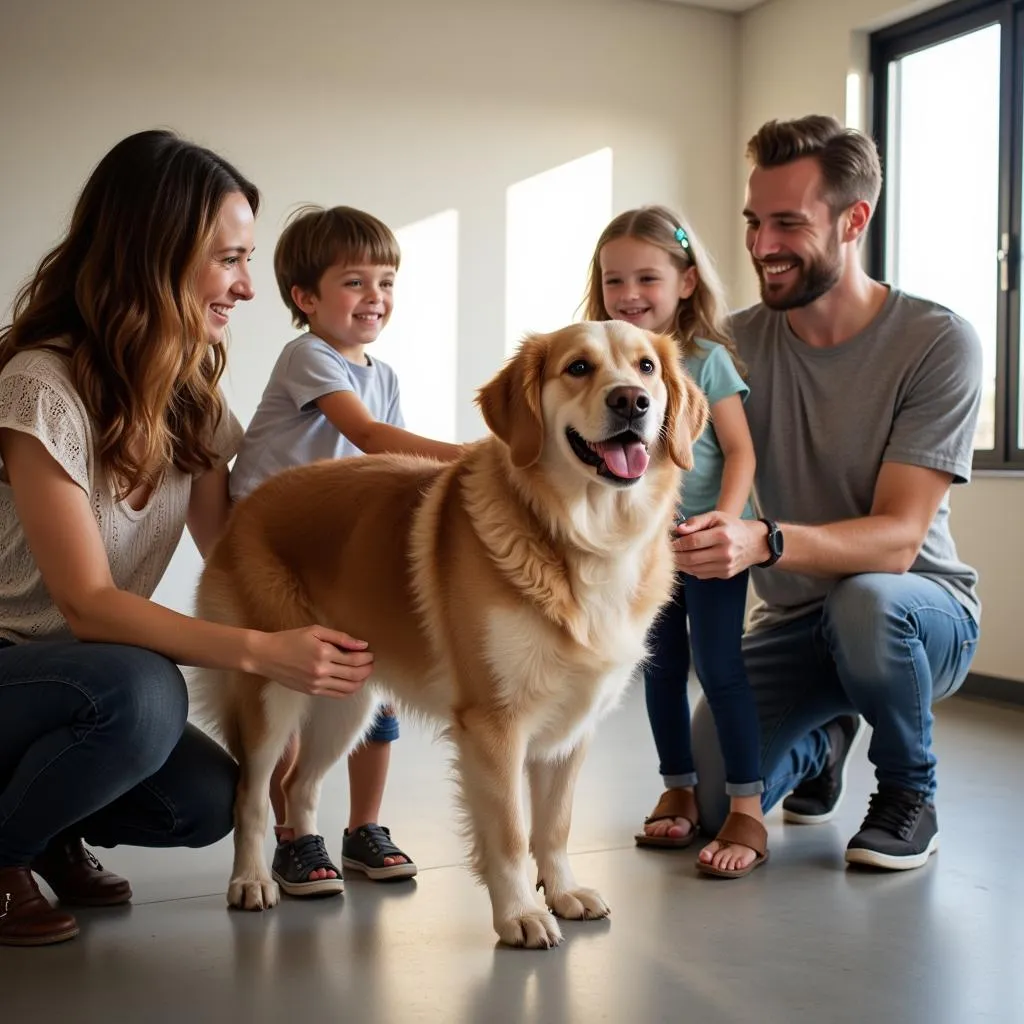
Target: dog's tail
[[243, 584], [212, 691]]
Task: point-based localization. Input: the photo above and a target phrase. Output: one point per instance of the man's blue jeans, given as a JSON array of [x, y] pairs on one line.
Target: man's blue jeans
[[93, 738], [885, 646]]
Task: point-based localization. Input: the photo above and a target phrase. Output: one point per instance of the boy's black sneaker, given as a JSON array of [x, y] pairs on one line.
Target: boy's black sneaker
[[900, 831], [816, 800]]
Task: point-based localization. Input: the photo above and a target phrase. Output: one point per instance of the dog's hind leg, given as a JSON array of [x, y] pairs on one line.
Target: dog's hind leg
[[332, 729], [489, 764], [552, 784], [263, 730]]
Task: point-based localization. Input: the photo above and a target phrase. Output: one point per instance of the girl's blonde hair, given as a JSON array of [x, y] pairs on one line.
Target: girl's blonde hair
[[703, 314], [117, 297]]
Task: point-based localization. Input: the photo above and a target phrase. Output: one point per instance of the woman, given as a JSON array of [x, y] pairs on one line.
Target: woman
[[113, 437]]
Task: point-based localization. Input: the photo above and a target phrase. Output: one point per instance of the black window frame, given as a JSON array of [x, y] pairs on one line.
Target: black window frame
[[919, 33]]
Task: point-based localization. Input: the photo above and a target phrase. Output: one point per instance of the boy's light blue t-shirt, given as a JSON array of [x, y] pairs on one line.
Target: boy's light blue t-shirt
[[288, 429], [716, 375]]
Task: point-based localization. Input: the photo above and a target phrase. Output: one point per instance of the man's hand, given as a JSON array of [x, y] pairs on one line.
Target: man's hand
[[716, 545]]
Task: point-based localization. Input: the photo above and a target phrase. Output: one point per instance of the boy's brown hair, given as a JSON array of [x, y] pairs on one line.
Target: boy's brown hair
[[315, 239], [850, 168]]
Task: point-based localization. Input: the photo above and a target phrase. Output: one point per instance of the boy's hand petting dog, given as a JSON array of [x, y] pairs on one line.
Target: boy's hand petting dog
[[315, 660]]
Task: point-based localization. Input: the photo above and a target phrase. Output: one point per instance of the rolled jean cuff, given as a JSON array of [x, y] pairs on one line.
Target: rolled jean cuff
[[687, 781], [745, 788], [384, 729]]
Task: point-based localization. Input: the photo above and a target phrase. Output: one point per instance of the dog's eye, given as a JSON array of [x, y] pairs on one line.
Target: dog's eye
[[646, 366], [578, 368]]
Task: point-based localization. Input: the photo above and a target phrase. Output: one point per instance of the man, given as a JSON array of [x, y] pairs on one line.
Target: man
[[862, 407]]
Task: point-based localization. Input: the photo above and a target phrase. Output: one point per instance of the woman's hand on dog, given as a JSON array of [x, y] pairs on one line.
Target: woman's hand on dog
[[315, 660]]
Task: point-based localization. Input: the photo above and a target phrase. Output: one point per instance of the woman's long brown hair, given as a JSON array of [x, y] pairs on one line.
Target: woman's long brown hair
[[117, 297]]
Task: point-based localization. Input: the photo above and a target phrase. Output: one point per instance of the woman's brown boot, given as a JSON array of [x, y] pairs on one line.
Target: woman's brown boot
[[77, 877], [26, 917]]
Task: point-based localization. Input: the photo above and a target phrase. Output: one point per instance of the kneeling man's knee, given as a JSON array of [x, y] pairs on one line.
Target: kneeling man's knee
[[863, 625]]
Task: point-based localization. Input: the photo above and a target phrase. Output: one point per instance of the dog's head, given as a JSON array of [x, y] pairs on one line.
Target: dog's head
[[606, 398]]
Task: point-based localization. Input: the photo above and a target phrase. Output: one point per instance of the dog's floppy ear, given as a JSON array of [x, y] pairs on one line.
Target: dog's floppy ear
[[510, 402], [687, 412]]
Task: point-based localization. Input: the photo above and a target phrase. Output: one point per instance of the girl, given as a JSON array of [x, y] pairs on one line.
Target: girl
[[650, 270], [113, 437]]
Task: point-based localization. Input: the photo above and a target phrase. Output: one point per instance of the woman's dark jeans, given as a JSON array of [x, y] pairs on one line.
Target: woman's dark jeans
[[94, 741]]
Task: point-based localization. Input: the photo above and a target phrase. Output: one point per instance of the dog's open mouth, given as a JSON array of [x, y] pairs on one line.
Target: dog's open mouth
[[622, 458]]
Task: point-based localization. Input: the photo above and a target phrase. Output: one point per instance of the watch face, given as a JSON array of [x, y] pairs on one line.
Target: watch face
[[774, 541]]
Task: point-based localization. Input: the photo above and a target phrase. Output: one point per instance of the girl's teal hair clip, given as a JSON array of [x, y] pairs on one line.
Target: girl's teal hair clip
[[683, 238]]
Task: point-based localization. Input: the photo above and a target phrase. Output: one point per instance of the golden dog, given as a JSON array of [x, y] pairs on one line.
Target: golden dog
[[506, 595]]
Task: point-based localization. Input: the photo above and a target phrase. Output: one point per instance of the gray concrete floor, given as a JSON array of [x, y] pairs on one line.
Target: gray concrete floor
[[803, 939]]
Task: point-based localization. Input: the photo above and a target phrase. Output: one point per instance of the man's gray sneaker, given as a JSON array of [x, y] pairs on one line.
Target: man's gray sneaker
[[900, 831], [816, 800]]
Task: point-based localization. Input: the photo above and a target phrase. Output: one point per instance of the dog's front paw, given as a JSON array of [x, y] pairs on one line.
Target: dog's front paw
[[253, 893], [532, 929], [578, 905]]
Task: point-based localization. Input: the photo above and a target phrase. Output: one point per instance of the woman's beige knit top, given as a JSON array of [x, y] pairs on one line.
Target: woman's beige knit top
[[38, 398]]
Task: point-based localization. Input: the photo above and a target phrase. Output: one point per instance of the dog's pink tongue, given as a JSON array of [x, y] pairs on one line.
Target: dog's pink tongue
[[627, 461]]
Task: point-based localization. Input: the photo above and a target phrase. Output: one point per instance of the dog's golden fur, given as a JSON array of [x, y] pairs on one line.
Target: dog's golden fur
[[506, 595]]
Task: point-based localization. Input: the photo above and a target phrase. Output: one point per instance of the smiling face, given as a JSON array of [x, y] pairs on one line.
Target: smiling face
[[599, 402], [641, 284], [793, 237], [351, 306], [606, 399], [223, 278]]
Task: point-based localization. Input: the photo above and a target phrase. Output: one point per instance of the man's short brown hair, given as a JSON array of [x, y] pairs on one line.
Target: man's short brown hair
[[850, 168], [315, 239]]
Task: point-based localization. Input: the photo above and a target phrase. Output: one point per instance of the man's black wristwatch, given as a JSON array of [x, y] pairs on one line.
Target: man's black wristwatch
[[774, 544]]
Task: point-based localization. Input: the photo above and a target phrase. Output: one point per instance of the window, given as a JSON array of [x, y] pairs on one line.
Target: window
[[949, 121]]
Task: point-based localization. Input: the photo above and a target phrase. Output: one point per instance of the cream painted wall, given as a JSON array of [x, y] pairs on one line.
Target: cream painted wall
[[406, 109], [795, 56]]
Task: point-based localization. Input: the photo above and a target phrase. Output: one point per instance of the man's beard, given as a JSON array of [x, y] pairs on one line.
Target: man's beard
[[816, 277]]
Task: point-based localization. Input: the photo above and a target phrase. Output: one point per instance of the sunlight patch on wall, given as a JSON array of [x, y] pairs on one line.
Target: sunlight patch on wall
[[553, 220], [421, 340], [854, 101]]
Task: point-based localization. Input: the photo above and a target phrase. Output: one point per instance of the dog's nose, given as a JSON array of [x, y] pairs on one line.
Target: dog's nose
[[630, 403]]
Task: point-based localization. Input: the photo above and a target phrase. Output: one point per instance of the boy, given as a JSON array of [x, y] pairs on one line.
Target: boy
[[327, 398]]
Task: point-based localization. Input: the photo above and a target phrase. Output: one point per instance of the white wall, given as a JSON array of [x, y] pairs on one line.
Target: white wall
[[794, 57], [406, 109]]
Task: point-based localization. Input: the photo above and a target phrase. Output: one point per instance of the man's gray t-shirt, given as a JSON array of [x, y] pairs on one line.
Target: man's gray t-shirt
[[823, 420], [288, 429]]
